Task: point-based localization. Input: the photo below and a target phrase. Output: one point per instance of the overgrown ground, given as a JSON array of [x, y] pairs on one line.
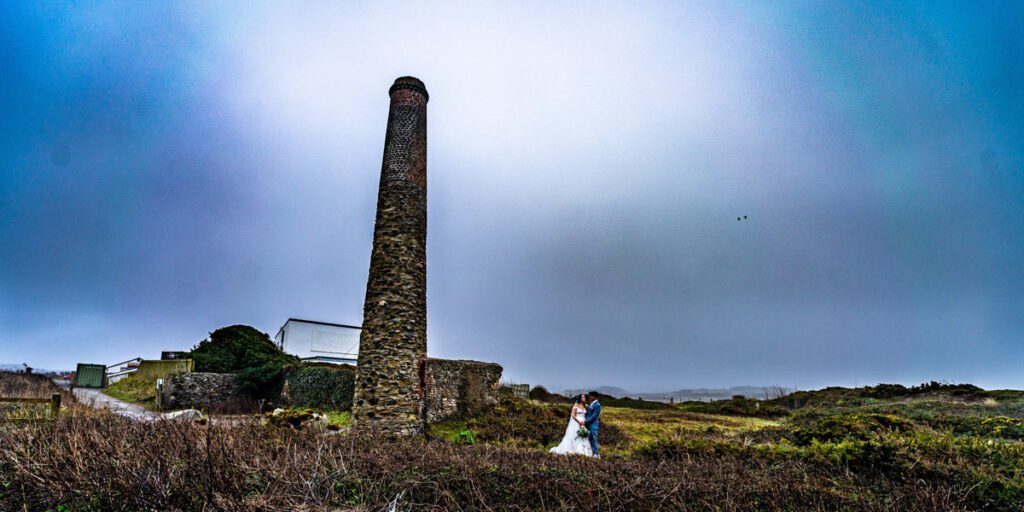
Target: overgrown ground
[[904, 452]]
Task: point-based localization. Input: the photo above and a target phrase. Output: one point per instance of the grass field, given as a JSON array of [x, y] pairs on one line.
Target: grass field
[[644, 427]]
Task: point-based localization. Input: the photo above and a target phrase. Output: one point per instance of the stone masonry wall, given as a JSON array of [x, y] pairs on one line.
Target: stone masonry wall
[[393, 342], [199, 390], [460, 388]]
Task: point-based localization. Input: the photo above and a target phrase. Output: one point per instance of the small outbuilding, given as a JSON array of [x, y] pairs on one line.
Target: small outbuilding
[[319, 342]]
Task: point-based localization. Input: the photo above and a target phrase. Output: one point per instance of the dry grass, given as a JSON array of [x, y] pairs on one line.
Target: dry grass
[[670, 460], [19, 385], [104, 462]]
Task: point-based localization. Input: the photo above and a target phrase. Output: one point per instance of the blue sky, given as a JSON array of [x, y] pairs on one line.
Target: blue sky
[[167, 169]]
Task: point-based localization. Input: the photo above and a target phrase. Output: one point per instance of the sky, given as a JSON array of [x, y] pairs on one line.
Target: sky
[[168, 168]]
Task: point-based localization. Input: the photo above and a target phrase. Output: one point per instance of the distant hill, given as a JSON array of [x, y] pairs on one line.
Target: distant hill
[[11, 367], [604, 390], [685, 395]]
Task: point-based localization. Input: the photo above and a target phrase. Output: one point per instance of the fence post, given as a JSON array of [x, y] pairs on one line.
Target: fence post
[[55, 406]]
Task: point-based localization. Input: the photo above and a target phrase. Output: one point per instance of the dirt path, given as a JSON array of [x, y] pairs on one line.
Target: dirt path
[[97, 399]]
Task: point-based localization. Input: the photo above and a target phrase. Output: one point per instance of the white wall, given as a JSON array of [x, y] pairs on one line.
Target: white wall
[[307, 340]]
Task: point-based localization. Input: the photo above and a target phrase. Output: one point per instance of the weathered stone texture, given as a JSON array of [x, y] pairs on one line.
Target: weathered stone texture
[[393, 343], [460, 388], [199, 390]]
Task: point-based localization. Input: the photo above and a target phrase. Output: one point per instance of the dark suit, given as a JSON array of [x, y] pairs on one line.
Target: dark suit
[[593, 422]]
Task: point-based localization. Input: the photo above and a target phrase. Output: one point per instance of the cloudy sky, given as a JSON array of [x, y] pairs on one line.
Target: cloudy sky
[[170, 168]]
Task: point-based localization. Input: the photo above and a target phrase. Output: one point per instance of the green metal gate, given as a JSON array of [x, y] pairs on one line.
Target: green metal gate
[[90, 375]]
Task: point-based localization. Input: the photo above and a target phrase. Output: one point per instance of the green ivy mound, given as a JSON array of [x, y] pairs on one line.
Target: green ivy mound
[[248, 353]]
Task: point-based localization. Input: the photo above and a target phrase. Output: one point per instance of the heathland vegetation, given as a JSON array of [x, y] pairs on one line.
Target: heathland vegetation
[[926, 448]]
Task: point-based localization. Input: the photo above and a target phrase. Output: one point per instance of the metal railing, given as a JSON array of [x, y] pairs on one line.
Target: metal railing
[[120, 371]]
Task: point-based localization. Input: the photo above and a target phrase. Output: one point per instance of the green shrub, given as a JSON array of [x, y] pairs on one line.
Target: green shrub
[[885, 391], [247, 352], [737, 407], [517, 419], [633, 403], [541, 394], [324, 387], [1002, 426], [809, 427], [465, 437]]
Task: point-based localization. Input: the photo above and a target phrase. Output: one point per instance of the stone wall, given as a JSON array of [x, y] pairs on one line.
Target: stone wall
[[199, 390], [460, 388]]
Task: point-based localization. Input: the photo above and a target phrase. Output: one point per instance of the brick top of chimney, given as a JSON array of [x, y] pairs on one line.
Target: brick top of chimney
[[411, 83]]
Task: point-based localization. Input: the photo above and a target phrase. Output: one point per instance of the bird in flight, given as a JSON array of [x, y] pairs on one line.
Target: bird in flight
[[742, 218]]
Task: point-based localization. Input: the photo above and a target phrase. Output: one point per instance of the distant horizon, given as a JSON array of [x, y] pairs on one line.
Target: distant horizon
[[629, 391]]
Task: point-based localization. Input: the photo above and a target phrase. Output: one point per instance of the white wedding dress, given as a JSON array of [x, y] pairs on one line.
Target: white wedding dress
[[572, 443]]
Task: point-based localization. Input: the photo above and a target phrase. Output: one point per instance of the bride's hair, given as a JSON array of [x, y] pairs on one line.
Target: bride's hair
[[582, 399]]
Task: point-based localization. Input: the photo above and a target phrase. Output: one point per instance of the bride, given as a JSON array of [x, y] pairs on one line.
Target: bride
[[571, 441]]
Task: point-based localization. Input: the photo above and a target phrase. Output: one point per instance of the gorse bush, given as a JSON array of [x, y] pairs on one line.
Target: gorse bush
[[541, 394], [807, 427], [738, 407], [1001, 426], [632, 403], [246, 352], [517, 419], [321, 386]]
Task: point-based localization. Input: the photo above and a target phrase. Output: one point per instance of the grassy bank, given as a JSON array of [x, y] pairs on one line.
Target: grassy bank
[[135, 391]]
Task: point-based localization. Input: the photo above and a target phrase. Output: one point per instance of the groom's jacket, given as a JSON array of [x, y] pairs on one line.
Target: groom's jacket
[[593, 415]]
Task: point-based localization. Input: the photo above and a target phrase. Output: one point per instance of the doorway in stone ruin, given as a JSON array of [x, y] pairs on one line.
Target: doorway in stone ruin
[[421, 371]]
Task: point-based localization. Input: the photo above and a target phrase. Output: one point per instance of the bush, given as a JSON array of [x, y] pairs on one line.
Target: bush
[[807, 428], [541, 394], [885, 391], [516, 419], [465, 437], [247, 352], [323, 387], [737, 407], [633, 403]]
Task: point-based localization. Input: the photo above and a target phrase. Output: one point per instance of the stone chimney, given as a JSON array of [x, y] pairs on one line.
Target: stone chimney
[[390, 392]]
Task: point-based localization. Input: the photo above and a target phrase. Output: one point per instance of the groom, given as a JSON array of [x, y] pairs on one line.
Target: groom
[[593, 421]]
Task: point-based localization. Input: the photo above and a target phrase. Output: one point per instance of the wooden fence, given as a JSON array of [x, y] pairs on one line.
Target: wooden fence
[[54, 402]]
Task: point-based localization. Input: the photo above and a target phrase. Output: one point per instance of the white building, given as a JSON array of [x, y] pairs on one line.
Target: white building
[[314, 341]]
